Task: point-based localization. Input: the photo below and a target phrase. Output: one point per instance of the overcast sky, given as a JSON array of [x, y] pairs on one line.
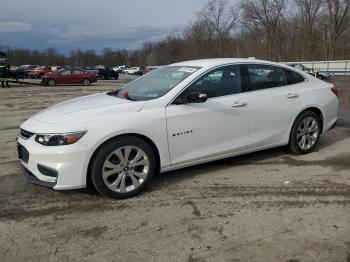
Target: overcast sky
[[92, 24]]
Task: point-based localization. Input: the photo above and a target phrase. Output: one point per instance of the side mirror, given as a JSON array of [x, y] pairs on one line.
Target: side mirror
[[196, 97], [193, 97]]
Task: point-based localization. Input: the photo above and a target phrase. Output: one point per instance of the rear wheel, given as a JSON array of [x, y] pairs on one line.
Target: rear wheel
[[86, 82], [305, 133], [123, 167]]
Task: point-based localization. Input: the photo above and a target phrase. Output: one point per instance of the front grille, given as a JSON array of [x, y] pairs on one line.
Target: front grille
[[25, 134], [23, 153]]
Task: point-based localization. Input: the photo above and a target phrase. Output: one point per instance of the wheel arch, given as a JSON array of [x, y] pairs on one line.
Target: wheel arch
[[143, 137], [317, 111], [314, 109]]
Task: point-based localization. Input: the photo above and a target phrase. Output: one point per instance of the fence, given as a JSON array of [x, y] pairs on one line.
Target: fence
[[338, 67]]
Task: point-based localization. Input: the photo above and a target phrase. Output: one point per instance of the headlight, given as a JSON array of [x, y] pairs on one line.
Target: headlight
[[59, 139]]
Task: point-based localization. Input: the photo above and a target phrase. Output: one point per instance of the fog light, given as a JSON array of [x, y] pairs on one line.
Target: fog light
[[47, 171]]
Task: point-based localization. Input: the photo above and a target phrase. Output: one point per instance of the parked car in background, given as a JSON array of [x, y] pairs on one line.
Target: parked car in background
[[152, 68], [39, 72], [135, 71], [181, 115], [320, 75], [119, 69], [107, 73], [22, 71], [91, 69], [56, 68], [69, 77]]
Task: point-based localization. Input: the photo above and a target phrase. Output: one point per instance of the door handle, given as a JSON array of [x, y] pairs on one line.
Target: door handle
[[239, 104], [292, 95]]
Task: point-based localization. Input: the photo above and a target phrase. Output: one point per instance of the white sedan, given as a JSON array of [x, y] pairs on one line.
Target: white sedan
[[176, 116], [131, 70]]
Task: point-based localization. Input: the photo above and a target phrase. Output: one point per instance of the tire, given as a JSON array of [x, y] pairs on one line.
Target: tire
[[51, 82], [116, 76], [113, 172], [305, 134], [86, 82], [321, 77]]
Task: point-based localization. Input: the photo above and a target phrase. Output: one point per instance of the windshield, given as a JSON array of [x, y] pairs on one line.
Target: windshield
[[155, 84]]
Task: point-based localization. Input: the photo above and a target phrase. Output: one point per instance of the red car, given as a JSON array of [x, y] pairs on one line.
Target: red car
[[39, 72], [69, 77]]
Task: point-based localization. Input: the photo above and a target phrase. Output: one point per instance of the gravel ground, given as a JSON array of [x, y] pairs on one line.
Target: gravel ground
[[266, 206]]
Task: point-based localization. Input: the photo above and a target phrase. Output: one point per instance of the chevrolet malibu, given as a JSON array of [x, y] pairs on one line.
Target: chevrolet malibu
[[179, 115]]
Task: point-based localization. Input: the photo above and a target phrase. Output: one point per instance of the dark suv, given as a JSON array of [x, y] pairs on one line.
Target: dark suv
[[107, 73]]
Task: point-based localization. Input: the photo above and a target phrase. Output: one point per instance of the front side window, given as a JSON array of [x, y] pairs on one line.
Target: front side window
[[265, 76], [65, 72], [157, 83], [219, 82], [75, 72]]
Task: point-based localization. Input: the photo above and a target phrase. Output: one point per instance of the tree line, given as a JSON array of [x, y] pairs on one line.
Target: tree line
[[277, 30]]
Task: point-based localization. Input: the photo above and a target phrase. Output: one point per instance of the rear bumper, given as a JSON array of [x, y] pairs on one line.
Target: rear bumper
[[333, 126]]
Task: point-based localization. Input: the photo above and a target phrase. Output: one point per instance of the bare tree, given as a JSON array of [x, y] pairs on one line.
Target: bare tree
[[309, 12], [337, 20], [222, 19], [266, 15], [200, 36]]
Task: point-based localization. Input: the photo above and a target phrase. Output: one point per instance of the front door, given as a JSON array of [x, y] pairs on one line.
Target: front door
[[216, 127]]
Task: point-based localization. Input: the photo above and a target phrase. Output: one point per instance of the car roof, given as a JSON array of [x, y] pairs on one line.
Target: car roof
[[212, 62]]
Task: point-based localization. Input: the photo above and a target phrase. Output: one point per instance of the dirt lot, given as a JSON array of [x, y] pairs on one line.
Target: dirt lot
[[238, 209]]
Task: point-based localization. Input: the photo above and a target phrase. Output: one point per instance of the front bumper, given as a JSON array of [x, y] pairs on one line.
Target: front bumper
[[34, 180], [68, 163]]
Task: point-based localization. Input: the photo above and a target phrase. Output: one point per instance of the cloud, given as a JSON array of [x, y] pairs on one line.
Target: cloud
[[89, 37], [98, 24], [15, 27]]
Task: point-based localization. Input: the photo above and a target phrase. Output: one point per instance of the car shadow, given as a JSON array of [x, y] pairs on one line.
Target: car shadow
[[257, 158]]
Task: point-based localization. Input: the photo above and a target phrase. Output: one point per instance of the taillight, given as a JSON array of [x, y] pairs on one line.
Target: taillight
[[335, 91]]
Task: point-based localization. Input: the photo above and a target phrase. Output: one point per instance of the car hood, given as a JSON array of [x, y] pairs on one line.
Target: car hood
[[87, 108]]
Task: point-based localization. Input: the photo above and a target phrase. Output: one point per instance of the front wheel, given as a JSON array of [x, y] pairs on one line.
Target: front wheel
[[123, 167], [51, 82], [305, 133]]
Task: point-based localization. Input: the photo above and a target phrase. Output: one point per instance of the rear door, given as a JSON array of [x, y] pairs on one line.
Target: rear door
[[274, 100]]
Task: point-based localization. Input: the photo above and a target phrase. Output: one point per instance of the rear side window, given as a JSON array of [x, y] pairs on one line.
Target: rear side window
[[266, 76], [293, 77]]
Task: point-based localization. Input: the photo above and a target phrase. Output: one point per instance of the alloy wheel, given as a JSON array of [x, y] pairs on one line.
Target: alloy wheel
[[307, 133], [86, 82], [125, 169], [51, 82]]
